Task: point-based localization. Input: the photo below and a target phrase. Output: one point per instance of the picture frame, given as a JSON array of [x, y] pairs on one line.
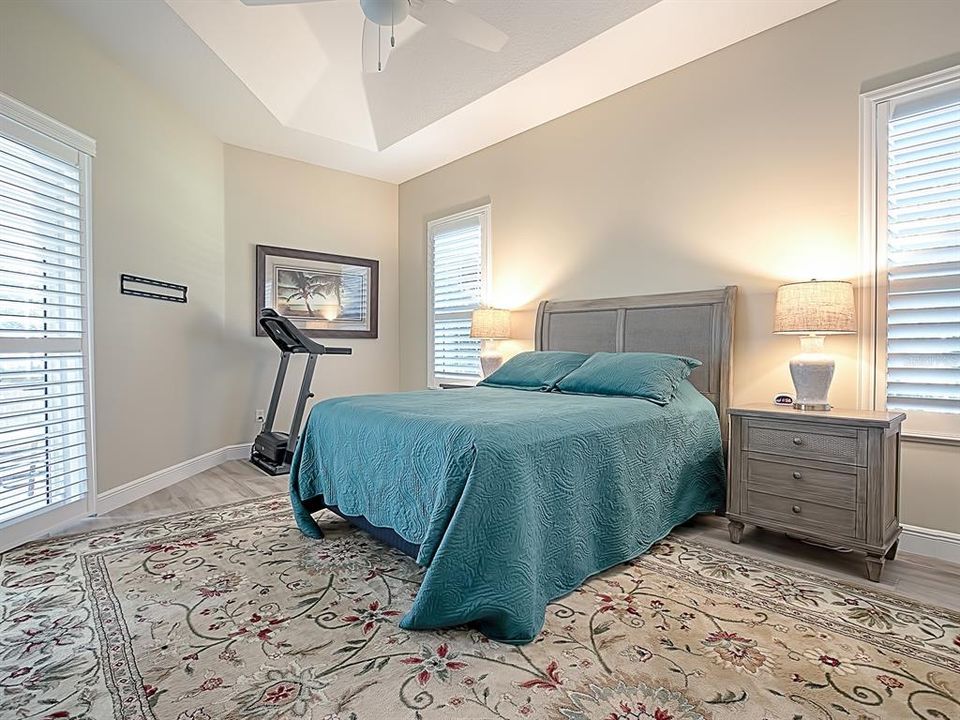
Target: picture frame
[[324, 295]]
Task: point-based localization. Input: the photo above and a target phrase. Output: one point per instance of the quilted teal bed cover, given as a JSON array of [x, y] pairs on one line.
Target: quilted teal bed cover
[[514, 497]]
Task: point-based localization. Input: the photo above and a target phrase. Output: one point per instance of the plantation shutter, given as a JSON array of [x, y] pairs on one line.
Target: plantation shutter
[[44, 390], [923, 253], [457, 263]]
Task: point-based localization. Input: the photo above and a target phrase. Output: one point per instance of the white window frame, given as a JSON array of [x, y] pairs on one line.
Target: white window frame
[[486, 263], [872, 294], [44, 520]]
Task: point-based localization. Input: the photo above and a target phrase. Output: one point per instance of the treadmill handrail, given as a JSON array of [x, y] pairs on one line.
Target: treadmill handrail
[[290, 339]]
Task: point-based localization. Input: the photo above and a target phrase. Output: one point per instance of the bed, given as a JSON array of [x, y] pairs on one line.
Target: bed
[[511, 499]]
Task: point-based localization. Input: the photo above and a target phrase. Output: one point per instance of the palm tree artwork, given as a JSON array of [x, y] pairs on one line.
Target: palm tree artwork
[[323, 289]]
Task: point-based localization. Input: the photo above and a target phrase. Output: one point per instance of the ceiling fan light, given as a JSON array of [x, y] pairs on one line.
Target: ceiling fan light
[[386, 12]]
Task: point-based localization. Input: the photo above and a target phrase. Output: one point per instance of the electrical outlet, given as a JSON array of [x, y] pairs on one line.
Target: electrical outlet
[[261, 416]]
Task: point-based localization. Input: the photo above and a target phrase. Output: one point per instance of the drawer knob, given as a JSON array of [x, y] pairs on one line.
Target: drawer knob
[[796, 509], [797, 475], [798, 441]]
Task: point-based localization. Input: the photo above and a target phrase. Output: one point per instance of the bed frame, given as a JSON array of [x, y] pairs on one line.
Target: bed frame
[[695, 324]]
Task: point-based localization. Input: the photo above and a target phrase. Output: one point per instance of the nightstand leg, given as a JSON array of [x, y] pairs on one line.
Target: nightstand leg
[[736, 531], [875, 567], [892, 552]]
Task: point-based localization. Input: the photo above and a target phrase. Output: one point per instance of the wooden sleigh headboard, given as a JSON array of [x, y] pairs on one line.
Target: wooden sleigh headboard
[[696, 324]]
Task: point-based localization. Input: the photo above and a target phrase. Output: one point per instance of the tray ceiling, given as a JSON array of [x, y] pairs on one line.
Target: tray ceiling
[[287, 79]]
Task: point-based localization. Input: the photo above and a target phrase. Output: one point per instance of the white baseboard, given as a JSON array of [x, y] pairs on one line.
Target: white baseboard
[[41, 523], [110, 500], [938, 544]]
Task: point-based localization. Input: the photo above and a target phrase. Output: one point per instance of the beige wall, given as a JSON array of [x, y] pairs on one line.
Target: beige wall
[[170, 201], [275, 201], [740, 168], [158, 212]]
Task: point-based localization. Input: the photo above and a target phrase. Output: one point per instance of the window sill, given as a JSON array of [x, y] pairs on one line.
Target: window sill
[[450, 380]]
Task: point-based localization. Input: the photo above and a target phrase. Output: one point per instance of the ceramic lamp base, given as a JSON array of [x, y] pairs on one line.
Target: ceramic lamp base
[[490, 359], [819, 407], [812, 373]]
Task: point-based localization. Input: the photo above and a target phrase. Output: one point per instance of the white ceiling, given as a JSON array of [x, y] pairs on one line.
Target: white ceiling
[[303, 60], [286, 79]]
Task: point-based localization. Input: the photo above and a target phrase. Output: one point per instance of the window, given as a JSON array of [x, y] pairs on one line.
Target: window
[[44, 360], [912, 196], [458, 259]]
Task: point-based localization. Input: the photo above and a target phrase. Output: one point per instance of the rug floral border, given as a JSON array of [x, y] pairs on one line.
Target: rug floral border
[[123, 679], [883, 641], [784, 594]]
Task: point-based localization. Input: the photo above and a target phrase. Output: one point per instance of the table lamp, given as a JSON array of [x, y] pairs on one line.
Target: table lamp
[[813, 309], [489, 323]]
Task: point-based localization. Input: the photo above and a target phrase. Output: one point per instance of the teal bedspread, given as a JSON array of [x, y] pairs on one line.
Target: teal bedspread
[[514, 497]]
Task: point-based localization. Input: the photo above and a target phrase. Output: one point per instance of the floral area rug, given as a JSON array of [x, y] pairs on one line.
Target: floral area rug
[[232, 614]]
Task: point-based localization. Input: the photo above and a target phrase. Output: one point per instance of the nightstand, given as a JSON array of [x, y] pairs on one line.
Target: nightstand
[[832, 477]]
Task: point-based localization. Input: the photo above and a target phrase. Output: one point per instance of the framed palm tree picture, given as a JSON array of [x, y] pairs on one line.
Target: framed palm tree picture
[[327, 296]]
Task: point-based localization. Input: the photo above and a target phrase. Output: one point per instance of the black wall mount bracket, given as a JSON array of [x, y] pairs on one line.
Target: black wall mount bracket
[[153, 289]]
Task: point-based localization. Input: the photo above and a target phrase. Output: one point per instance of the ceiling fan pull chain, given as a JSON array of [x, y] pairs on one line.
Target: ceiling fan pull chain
[[379, 64]]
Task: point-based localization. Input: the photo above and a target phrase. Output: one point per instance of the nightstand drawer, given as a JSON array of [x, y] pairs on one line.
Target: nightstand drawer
[[831, 444], [833, 485], [801, 513]]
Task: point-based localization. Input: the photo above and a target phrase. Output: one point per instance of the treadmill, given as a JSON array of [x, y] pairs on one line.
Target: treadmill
[[273, 451]]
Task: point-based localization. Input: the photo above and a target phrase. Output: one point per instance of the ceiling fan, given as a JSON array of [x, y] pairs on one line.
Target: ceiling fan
[[382, 16]]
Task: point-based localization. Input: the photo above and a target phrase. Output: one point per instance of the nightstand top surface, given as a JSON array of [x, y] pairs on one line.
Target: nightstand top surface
[[837, 416]]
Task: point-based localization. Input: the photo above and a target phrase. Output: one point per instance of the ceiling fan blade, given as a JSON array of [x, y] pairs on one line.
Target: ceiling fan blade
[[458, 23], [374, 37], [278, 2]]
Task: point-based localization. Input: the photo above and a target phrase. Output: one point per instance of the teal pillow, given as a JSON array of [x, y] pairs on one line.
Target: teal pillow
[[653, 376], [540, 370]]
